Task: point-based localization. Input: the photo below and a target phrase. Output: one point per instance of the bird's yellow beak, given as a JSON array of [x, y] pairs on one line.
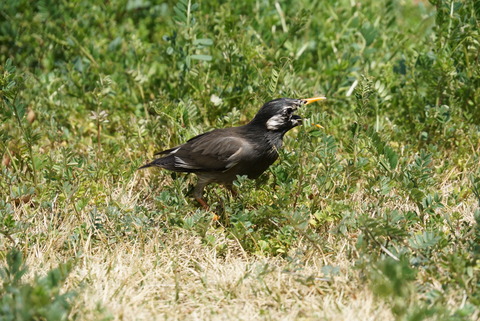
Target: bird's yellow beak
[[312, 100]]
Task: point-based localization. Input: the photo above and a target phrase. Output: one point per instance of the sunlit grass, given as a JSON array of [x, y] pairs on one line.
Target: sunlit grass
[[374, 216]]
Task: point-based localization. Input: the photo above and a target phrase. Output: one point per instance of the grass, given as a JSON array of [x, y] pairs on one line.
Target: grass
[[180, 278], [376, 216]]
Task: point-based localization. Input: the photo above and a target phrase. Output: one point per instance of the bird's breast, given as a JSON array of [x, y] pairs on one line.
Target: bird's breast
[[264, 155]]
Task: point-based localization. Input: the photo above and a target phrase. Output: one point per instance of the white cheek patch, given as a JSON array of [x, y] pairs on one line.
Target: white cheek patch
[[275, 122]]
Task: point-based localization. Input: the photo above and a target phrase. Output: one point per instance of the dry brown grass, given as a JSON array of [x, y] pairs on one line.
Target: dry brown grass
[[174, 275]]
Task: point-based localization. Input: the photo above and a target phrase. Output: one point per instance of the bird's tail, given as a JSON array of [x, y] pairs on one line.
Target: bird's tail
[[163, 162], [145, 166]]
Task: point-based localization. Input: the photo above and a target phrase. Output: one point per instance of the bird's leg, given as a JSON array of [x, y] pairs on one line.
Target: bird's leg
[[203, 203], [198, 192], [207, 208], [232, 190]]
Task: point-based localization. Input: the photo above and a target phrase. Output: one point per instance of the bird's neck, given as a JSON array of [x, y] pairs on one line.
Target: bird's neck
[[275, 138], [257, 122]]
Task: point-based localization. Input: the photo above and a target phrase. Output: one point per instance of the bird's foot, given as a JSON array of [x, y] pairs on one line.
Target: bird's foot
[[207, 208]]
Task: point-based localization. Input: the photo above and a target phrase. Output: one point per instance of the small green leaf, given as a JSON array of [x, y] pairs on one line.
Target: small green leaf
[[202, 57], [391, 156], [423, 241], [20, 110], [182, 5], [203, 42], [315, 133], [115, 44], [137, 4], [179, 15]]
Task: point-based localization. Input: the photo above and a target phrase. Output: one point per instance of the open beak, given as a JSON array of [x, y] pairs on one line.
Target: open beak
[[312, 100]]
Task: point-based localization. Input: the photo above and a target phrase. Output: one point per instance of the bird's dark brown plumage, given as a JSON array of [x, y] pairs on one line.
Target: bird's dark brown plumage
[[220, 155]]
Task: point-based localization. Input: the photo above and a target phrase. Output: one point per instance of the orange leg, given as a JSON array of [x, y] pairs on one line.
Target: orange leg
[[203, 203], [207, 208]]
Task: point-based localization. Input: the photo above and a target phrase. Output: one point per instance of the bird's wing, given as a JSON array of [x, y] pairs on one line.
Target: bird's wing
[[212, 151]]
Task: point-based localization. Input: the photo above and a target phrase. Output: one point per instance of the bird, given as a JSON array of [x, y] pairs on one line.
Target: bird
[[218, 156]]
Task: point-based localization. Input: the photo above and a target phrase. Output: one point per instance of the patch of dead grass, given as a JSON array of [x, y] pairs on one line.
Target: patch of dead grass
[[175, 276]]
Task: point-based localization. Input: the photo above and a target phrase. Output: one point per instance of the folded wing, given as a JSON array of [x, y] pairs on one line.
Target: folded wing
[[204, 153]]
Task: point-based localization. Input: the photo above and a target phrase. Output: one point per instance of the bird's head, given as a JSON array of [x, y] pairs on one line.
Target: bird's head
[[278, 114]]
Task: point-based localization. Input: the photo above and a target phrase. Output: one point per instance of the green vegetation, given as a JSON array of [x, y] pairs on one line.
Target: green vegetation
[[376, 216], [39, 301]]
